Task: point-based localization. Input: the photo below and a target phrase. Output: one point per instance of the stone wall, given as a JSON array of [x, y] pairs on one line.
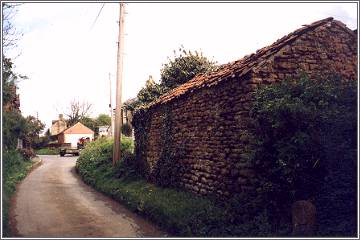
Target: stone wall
[[202, 134], [327, 49]]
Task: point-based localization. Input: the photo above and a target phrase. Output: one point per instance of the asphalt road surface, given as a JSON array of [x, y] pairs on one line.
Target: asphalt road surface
[[52, 201]]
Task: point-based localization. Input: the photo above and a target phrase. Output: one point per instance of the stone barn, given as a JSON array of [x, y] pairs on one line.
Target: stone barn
[[191, 137]]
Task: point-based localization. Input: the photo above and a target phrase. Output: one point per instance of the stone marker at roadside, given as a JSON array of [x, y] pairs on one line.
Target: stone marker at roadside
[[303, 218]]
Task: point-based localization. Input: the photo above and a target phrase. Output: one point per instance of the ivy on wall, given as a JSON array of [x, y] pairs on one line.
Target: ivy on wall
[[167, 169], [141, 123]]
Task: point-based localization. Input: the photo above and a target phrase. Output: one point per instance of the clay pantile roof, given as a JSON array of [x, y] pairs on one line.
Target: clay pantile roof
[[78, 128], [241, 67]]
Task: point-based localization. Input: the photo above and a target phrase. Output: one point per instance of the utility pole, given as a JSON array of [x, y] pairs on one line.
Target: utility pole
[[118, 120], [111, 110]]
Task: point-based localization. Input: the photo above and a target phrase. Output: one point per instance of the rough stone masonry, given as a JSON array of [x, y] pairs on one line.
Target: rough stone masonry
[[205, 118]]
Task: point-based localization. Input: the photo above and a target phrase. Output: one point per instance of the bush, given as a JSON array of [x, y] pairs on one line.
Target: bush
[[27, 153], [305, 139], [14, 127]]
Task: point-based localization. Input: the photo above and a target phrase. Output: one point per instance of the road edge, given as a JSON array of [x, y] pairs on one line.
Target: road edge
[[37, 161]]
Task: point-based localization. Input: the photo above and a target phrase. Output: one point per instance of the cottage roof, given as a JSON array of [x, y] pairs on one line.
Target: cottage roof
[[78, 128], [246, 64]]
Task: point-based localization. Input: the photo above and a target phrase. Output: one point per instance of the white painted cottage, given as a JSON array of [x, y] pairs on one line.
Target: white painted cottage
[[74, 133]]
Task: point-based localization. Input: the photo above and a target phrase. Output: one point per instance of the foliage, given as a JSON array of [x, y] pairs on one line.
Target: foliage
[[33, 128], [14, 170], [180, 213], [103, 120], [47, 151], [131, 104], [9, 79], [94, 124], [166, 172], [100, 153], [126, 129], [150, 92], [141, 123], [183, 68], [90, 123], [27, 153], [14, 126], [43, 141], [305, 141], [174, 73]]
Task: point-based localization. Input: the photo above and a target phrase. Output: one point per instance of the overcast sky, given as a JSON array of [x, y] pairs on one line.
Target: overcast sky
[[66, 57]]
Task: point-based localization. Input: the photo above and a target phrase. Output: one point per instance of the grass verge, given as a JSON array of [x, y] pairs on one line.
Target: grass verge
[[178, 212], [47, 151], [15, 168]]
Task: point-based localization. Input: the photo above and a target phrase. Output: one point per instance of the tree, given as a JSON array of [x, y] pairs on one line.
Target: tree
[[174, 73], [14, 125], [33, 128], [94, 124], [90, 123], [150, 92], [10, 34], [103, 119], [9, 80], [183, 68], [77, 111]]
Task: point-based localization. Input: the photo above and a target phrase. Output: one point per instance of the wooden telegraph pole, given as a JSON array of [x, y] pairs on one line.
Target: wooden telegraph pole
[[111, 109], [118, 119]]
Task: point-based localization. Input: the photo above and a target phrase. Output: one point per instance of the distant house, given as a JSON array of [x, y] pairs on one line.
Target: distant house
[[74, 133], [104, 131], [58, 126]]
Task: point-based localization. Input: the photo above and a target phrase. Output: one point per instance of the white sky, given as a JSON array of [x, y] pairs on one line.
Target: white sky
[[66, 59]]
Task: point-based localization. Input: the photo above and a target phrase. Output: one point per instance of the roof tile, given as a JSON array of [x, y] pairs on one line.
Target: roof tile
[[78, 128], [242, 66]]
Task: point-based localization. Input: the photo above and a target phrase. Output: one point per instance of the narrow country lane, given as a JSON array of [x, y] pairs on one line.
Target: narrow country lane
[[53, 202]]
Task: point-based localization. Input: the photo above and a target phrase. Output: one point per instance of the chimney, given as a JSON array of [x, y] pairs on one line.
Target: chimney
[[61, 117]]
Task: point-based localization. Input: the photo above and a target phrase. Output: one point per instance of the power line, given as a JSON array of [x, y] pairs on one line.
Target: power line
[[97, 16]]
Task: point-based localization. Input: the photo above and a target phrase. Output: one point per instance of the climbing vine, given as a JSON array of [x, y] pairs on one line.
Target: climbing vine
[[141, 123], [165, 170]]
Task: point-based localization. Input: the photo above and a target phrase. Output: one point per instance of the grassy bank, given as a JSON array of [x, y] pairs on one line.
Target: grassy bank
[[15, 168], [180, 213], [47, 151]]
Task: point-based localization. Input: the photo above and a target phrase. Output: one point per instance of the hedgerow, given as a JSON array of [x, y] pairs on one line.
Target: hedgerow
[[305, 148], [15, 168]]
